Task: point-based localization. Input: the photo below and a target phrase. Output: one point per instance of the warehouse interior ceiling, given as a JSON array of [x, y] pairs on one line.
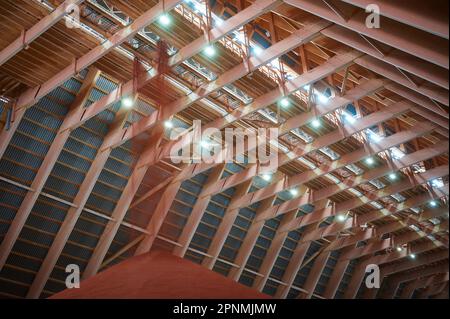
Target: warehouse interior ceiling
[[91, 92]]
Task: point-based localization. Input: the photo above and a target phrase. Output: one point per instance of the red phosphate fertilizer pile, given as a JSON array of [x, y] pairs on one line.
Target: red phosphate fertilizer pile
[[159, 275]]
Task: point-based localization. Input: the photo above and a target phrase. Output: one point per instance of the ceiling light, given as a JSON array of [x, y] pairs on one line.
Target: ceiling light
[[257, 50], [399, 249], [341, 218], [392, 176], [285, 102], [128, 102], [322, 98], [316, 123], [267, 177], [210, 51], [294, 192], [168, 124], [165, 19], [433, 203], [370, 161], [412, 256]]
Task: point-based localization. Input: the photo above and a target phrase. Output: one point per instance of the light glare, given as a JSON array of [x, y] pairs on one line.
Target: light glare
[[370, 161], [168, 124], [316, 123], [210, 51], [128, 102], [165, 19], [285, 102]]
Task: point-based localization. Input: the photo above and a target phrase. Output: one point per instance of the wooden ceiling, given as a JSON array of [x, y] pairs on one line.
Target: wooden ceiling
[[116, 193]]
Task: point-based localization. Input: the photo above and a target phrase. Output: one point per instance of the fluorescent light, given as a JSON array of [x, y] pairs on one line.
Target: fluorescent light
[[127, 102], [165, 19], [210, 51]]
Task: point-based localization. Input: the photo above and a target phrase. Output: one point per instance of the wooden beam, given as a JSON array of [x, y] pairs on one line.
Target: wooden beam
[[28, 36], [33, 95], [45, 169], [196, 215], [75, 211]]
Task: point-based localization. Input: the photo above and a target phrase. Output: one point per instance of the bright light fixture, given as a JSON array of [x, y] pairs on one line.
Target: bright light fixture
[[341, 218], [257, 50], [322, 98], [412, 256], [370, 161], [168, 124], [128, 102], [433, 203], [267, 177], [399, 249], [285, 102], [294, 192], [165, 19], [210, 51], [316, 123], [392, 176]]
